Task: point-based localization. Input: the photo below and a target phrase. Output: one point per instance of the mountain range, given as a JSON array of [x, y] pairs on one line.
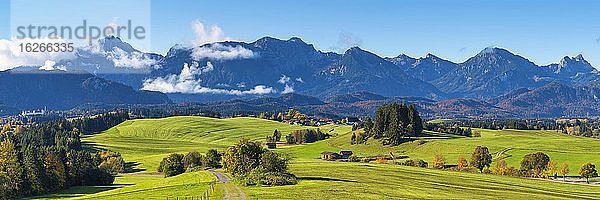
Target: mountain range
[[493, 83], [35, 89]]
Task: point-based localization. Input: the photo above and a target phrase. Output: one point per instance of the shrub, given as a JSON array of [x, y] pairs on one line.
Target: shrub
[[487, 171], [212, 159], [415, 163], [113, 165], [273, 162], [511, 171], [111, 162], [172, 165], [194, 169], [381, 160], [192, 159], [99, 177], [261, 177], [354, 159]]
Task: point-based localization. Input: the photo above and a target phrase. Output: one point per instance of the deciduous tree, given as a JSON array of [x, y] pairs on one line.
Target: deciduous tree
[[564, 170], [481, 158], [500, 167], [438, 161], [212, 158], [172, 165], [535, 164], [241, 158], [11, 171], [192, 159], [273, 162], [462, 163], [587, 171], [551, 169]]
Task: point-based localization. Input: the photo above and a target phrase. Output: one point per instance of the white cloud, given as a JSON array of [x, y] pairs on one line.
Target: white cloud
[[134, 60], [259, 89], [11, 55], [221, 52], [50, 65], [186, 82], [209, 67], [284, 79], [299, 79], [205, 35], [287, 89]]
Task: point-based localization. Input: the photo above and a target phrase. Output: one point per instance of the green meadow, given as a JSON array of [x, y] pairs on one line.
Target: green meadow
[[144, 186], [143, 143], [510, 145]]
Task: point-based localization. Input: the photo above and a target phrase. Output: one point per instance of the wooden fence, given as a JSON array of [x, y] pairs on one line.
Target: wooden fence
[[204, 196]]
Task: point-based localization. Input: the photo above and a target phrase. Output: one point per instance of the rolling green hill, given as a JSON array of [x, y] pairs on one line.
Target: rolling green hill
[[511, 145], [145, 142], [337, 180], [146, 186]]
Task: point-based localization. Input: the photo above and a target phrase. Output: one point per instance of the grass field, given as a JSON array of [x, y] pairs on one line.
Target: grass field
[[513, 143], [145, 186], [336, 180], [381, 181], [145, 142]]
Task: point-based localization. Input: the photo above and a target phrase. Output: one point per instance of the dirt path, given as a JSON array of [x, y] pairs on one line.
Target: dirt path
[[230, 191]]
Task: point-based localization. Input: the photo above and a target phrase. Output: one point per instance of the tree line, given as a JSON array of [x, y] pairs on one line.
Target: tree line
[[49, 157], [305, 136], [581, 128], [519, 124], [101, 122], [453, 129], [534, 165], [280, 116], [577, 127], [175, 163], [394, 124]]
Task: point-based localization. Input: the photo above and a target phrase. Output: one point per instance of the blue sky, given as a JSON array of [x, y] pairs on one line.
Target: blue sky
[[543, 31]]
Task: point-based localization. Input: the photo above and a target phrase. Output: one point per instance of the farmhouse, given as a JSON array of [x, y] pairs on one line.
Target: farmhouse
[[328, 155], [345, 154]]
